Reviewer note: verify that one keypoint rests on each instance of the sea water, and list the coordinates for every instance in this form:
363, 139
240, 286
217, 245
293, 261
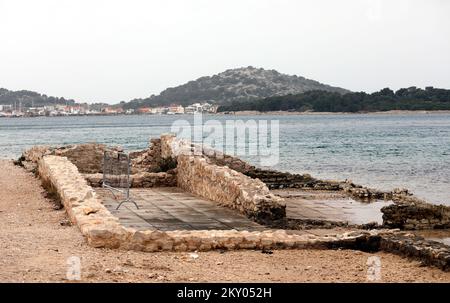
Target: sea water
378, 150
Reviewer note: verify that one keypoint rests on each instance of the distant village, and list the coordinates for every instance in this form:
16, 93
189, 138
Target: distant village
87, 110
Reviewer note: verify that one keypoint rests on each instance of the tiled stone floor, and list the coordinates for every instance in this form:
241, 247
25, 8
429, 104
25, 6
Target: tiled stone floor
330, 206
172, 209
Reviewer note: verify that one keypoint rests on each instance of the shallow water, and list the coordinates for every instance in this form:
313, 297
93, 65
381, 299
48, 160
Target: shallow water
382, 151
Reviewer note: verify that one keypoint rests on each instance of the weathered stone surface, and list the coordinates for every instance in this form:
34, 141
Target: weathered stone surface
207, 176
411, 213
229, 188
197, 175
409, 245
146, 180
102, 229
88, 158
149, 160
139, 180
173, 147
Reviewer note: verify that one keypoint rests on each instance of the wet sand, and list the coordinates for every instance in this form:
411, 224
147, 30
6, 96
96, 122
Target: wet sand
35, 244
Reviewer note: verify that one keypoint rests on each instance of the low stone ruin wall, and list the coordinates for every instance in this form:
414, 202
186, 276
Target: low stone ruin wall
148, 160
156, 166
404, 244
103, 230
229, 188
61, 177
88, 158
411, 213
173, 147
196, 174
139, 180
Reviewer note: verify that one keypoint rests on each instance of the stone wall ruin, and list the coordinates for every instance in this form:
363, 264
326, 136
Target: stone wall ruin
88, 158
103, 230
60, 170
234, 183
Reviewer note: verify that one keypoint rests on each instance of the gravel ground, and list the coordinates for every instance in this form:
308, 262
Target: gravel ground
35, 246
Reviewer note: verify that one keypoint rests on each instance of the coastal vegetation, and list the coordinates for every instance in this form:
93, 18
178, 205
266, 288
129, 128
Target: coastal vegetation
411, 98
25, 98
240, 85
273, 92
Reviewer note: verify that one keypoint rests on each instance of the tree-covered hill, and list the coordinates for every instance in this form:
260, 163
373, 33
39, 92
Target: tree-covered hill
26, 98
412, 98
241, 84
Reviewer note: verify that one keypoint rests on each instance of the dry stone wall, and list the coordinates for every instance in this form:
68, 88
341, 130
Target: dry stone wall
229, 188
241, 184
196, 174
139, 180
103, 230
411, 213
84, 209
172, 147
88, 158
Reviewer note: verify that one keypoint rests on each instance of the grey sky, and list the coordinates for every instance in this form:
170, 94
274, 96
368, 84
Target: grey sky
106, 50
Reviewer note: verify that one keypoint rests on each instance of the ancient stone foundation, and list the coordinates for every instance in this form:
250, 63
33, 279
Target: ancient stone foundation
402, 244
88, 158
234, 183
102, 229
71, 172
197, 174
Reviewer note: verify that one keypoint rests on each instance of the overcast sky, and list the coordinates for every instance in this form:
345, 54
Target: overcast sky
108, 51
